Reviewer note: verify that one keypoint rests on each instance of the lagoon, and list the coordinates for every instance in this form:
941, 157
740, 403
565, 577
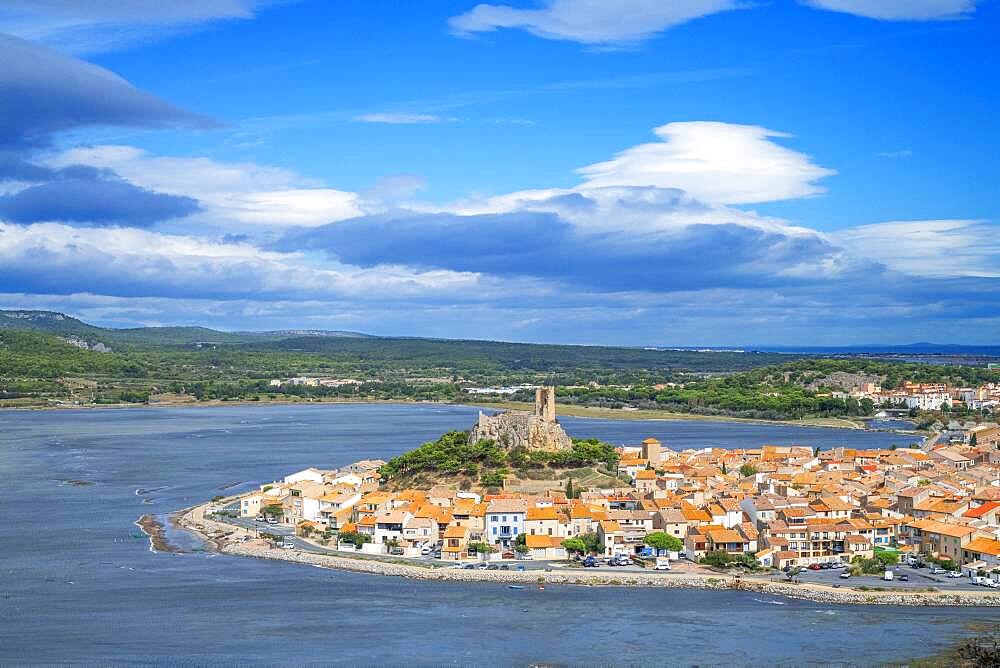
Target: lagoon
78, 583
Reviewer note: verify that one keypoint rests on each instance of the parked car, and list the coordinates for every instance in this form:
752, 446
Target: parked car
845, 575
468, 567
424, 551
590, 562
272, 520
814, 567
493, 567
261, 518
954, 574
662, 564
937, 570
288, 545
396, 551
526, 556
992, 584
904, 578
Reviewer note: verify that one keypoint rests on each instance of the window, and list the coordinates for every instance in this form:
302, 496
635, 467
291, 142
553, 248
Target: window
494, 531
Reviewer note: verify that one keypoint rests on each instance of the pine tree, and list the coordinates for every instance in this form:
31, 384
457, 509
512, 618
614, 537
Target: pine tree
569, 488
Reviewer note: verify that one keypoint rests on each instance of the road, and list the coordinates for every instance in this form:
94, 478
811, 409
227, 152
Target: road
920, 578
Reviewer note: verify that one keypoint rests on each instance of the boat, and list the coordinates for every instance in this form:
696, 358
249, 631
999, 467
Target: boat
515, 586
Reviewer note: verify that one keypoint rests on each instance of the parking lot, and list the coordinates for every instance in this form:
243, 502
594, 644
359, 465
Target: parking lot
919, 578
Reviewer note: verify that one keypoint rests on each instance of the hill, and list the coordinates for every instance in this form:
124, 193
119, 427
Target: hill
66, 326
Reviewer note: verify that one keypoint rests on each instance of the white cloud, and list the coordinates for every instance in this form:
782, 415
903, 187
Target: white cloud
229, 192
899, 10
933, 248
400, 118
714, 162
599, 22
903, 153
88, 27
50, 258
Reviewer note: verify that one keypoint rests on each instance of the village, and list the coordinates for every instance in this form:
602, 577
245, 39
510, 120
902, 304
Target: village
782, 509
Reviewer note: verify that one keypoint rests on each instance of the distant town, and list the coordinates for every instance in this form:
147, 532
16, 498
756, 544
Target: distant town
785, 508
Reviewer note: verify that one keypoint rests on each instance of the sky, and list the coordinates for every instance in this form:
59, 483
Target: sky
628, 172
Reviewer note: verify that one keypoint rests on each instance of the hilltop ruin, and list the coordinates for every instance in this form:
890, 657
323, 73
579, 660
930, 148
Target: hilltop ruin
538, 430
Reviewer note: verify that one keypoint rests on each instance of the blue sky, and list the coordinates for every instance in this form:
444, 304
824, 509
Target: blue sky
702, 172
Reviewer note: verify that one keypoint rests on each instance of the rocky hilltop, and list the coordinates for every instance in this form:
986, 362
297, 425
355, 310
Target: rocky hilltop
538, 430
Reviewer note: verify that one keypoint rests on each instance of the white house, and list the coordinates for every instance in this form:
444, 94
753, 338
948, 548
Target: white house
505, 520
306, 475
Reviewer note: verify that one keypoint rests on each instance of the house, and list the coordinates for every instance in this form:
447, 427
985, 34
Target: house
985, 550
543, 522
634, 525
419, 530
545, 547
671, 522
612, 537
505, 520
250, 504
336, 508
389, 525
941, 539
306, 475
722, 539
456, 540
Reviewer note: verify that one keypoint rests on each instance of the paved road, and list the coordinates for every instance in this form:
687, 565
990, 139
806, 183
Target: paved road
920, 578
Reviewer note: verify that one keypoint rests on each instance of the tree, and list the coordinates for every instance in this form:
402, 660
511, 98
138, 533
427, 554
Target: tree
481, 548
272, 510
574, 545
592, 541
974, 441
569, 489
521, 542
887, 558
355, 539
748, 470
663, 541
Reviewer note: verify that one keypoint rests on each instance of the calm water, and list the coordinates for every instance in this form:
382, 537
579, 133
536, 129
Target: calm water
77, 585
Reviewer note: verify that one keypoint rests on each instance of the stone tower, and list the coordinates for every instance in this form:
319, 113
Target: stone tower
545, 403
537, 430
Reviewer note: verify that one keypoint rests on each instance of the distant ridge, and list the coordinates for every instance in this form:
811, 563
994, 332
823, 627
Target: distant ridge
66, 326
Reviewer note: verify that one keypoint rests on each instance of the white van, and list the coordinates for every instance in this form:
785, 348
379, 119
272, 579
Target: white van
662, 564
887, 576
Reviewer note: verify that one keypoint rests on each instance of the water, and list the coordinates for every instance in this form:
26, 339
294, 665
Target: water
77, 585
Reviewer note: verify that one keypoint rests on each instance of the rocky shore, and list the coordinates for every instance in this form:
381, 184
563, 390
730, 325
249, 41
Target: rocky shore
229, 539
157, 536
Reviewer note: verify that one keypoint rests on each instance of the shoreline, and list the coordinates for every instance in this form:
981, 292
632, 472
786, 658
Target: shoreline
219, 536
585, 412
157, 535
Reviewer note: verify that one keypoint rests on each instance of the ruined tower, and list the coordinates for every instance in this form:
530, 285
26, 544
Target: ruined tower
537, 430
545, 403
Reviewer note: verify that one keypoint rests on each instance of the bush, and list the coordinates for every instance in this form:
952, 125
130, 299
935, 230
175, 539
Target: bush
717, 558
